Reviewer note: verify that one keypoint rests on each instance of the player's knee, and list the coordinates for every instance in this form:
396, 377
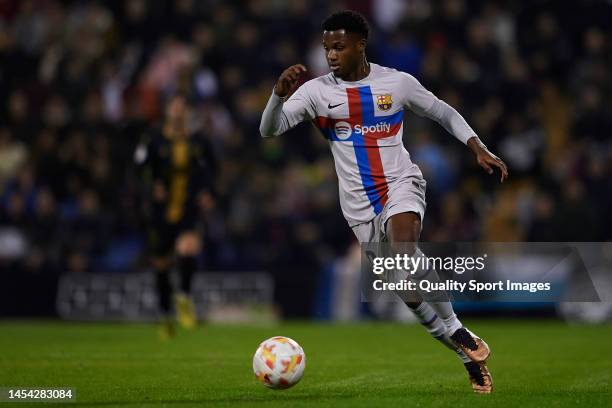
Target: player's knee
404, 243
161, 263
404, 230
188, 244
404, 246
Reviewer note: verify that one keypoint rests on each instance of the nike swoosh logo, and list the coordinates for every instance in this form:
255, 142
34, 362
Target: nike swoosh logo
330, 106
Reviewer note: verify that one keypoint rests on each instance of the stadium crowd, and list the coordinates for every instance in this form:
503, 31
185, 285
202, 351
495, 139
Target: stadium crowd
80, 81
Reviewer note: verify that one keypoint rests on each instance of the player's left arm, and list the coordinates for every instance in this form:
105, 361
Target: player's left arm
425, 103
485, 158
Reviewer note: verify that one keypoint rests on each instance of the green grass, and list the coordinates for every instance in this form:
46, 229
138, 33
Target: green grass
534, 363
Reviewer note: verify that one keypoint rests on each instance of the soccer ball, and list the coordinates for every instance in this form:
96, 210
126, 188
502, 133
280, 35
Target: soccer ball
279, 362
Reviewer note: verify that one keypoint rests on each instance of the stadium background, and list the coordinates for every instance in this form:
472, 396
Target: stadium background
81, 80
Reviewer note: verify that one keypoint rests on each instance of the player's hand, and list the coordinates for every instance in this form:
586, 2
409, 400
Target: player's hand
206, 201
159, 191
288, 80
486, 159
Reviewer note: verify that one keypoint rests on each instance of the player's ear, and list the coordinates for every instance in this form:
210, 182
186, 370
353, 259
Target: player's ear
362, 44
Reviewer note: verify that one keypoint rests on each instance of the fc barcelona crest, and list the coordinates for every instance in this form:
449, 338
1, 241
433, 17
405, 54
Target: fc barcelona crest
384, 102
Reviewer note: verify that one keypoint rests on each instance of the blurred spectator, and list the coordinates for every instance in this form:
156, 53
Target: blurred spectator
80, 80
13, 155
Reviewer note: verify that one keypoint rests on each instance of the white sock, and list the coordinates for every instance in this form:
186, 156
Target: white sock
436, 328
445, 311
443, 308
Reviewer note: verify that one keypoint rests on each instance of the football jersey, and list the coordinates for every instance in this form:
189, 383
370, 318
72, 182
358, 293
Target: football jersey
363, 122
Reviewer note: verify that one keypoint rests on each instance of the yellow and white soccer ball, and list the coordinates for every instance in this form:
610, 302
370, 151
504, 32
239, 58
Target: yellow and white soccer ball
279, 362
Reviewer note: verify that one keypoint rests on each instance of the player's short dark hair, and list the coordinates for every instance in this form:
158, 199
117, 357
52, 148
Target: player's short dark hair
348, 20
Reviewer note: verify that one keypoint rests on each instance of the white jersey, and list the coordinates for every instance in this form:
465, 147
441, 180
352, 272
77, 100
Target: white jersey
363, 122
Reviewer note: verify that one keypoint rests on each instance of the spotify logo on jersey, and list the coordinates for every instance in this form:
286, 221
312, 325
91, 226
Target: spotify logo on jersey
343, 130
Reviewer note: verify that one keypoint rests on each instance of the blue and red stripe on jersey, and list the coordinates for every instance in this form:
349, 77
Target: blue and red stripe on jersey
367, 151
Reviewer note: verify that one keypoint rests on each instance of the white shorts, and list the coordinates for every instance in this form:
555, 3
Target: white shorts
407, 195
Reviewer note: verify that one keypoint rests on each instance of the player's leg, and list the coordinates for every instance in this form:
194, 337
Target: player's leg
403, 231
161, 245
188, 246
373, 231
434, 326
479, 375
161, 265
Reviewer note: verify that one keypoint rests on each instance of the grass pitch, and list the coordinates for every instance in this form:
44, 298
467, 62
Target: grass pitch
534, 363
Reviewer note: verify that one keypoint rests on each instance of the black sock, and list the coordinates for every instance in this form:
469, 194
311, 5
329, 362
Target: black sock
187, 266
164, 290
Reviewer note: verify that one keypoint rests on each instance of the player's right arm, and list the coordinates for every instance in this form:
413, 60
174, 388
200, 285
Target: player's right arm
147, 161
425, 103
282, 113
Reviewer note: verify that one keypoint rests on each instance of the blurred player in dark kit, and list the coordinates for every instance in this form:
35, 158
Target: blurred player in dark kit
179, 168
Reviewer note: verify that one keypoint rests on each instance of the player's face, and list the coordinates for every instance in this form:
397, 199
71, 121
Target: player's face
177, 109
177, 114
344, 51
